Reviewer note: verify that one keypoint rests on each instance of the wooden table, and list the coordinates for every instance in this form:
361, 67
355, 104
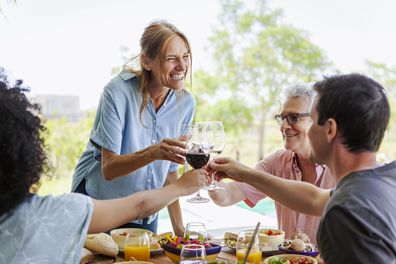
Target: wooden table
225, 254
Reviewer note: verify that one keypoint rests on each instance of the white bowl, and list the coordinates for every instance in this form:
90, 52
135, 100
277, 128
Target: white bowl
271, 242
120, 239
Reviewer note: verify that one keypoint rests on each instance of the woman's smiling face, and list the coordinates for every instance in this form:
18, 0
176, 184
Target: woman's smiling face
171, 70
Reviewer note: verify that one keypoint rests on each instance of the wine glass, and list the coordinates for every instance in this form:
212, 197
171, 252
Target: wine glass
196, 231
243, 241
197, 154
185, 133
216, 139
193, 254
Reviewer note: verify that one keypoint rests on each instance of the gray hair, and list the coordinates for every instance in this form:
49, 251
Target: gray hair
299, 90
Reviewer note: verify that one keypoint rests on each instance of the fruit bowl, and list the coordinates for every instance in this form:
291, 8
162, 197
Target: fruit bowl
174, 252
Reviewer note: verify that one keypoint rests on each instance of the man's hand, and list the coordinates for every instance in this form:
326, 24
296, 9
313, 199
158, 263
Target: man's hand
169, 149
224, 167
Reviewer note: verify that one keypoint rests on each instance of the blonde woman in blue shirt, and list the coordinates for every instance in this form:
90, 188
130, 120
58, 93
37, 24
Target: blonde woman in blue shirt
133, 144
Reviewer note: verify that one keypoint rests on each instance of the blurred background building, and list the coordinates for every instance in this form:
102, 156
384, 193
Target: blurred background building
59, 106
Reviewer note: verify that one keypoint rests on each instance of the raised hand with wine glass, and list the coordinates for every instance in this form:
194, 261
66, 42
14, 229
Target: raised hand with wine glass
198, 153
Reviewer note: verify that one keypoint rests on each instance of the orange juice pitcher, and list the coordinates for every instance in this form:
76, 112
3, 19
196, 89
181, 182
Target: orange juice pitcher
137, 247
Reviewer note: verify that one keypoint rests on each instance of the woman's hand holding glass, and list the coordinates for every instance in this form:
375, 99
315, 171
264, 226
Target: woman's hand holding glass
191, 181
169, 149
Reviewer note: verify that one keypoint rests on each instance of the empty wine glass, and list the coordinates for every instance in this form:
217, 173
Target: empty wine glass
196, 231
193, 254
197, 154
216, 140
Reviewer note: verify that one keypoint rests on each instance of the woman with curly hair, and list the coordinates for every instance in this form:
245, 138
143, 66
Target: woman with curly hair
49, 229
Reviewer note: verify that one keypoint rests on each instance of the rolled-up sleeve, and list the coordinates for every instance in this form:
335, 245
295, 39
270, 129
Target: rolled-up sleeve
108, 134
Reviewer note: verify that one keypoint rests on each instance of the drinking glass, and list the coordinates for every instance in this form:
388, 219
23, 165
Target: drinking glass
242, 245
216, 140
196, 231
185, 133
137, 247
193, 254
197, 154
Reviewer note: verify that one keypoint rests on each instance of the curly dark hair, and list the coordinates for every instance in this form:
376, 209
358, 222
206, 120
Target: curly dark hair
22, 155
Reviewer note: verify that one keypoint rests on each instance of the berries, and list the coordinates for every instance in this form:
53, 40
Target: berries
178, 242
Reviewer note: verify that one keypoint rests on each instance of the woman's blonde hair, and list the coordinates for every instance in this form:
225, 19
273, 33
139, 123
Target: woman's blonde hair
153, 43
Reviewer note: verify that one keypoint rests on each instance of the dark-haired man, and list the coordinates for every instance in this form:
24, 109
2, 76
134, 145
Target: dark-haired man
350, 114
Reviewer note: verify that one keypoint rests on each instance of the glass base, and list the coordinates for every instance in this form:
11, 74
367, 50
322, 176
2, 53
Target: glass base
212, 187
198, 199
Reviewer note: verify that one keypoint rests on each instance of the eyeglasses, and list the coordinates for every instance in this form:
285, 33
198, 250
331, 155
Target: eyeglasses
292, 118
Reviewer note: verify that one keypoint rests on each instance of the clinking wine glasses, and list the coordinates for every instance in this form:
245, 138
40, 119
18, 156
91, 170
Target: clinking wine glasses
198, 153
216, 139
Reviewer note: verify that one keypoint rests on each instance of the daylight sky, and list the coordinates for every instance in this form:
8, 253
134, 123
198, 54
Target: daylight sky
69, 47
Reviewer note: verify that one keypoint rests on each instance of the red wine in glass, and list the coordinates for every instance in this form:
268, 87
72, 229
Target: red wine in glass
197, 160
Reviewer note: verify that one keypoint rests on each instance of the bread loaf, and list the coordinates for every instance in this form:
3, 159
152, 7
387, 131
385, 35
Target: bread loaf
101, 243
230, 239
86, 256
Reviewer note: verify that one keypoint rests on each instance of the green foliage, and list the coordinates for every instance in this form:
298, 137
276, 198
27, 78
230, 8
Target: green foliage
383, 74
386, 76
65, 142
256, 55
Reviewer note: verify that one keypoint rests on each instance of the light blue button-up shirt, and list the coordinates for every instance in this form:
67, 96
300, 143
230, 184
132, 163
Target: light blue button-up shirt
117, 127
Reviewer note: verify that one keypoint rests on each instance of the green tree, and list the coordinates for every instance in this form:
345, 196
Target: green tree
386, 76
255, 56
65, 142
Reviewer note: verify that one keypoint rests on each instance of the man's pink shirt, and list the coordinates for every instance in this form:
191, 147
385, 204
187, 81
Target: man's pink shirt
283, 163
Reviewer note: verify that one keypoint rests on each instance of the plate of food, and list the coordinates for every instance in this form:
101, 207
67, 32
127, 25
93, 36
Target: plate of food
298, 246
270, 239
290, 259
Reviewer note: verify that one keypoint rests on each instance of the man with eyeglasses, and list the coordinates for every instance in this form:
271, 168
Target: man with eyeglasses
291, 163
